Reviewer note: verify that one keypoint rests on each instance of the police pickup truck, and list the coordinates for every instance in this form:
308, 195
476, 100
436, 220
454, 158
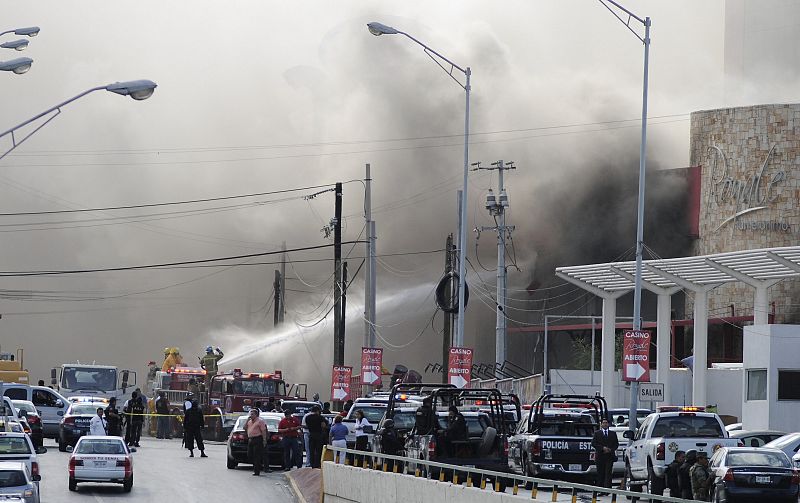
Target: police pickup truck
654, 444
554, 440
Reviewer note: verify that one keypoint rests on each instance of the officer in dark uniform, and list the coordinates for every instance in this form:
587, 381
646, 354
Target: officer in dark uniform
456, 430
424, 418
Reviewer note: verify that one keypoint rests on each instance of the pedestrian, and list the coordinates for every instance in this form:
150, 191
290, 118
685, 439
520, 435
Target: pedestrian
346, 409
271, 405
193, 388
338, 437
326, 408
684, 479
113, 419
256, 430
391, 444
316, 425
164, 419
97, 425
701, 478
41, 382
605, 444
289, 428
193, 424
306, 439
672, 474
362, 428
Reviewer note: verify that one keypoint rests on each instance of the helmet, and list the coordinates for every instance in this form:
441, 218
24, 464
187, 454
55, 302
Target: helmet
209, 349
175, 351
166, 351
389, 423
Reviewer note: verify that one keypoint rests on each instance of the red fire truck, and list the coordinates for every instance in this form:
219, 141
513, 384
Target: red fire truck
229, 395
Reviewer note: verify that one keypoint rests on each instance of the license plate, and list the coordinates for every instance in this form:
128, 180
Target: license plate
103, 463
763, 479
575, 468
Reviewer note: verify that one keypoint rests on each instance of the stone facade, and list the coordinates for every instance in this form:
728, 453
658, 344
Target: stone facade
750, 194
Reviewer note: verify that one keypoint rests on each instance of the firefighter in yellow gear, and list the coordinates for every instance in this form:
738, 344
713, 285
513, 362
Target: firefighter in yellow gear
209, 363
172, 359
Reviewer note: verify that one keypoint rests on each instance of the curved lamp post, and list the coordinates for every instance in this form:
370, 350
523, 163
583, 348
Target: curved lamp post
378, 29
16, 65
136, 89
30, 31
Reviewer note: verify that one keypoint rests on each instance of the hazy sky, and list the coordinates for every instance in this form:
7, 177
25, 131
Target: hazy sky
265, 96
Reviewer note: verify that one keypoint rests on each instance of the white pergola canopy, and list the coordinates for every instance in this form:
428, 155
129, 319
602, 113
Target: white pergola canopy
759, 269
749, 266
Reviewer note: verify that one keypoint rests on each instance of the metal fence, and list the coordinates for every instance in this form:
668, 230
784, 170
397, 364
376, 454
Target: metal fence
487, 479
527, 389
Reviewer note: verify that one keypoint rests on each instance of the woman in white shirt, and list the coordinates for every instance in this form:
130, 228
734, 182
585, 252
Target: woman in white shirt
362, 428
97, 425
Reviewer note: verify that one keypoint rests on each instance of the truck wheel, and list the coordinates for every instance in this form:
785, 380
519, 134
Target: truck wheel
655, 484
629, 484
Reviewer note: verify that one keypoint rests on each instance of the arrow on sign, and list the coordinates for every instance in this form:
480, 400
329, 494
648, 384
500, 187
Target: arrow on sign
634, 371
339, 394
459, 381
369, 377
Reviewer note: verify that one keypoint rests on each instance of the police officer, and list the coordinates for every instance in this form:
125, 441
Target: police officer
424, 417
193, 424
684, 480
672, 474
113, 419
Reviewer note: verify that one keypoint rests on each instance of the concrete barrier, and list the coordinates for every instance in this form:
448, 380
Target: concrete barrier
346, 484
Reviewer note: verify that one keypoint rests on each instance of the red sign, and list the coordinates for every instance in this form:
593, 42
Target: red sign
371, 362
459, 366
636, 356
340, 383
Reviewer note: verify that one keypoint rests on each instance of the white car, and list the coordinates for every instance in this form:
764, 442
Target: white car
18, 447
17, 483
101, 459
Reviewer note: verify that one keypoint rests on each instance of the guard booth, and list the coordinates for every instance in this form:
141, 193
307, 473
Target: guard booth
771, 397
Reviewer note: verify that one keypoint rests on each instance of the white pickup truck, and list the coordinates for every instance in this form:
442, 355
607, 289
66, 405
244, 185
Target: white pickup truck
660, 436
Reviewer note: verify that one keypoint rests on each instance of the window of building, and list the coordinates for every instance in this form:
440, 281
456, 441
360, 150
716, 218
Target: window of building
789, 385
756, 384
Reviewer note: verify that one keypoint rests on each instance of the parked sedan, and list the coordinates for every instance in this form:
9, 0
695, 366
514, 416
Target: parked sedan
28, 411
757, 438
101, 459
789, 443
237, 442
75, 424
753, 474
16, 479
18, 447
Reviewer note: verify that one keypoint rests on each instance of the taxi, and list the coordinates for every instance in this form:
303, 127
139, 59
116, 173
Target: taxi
18, 447
101, 459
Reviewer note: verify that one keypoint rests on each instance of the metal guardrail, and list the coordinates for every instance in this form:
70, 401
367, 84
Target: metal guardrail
377, 461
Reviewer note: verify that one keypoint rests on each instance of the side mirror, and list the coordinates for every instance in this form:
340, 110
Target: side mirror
36, 478
23, 413
628, 434
125, 375
70, 448
133, 449
60, 403
53, 379
41, 450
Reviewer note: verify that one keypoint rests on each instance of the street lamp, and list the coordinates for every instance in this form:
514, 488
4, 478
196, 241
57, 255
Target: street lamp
16, 65
31, 31
378, 29
19, 44
136, 89
637, 289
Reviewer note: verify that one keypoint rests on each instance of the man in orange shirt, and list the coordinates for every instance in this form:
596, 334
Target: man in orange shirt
256, 440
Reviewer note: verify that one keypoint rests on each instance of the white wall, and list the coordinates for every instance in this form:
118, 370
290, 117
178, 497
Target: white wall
724, 388
771, 347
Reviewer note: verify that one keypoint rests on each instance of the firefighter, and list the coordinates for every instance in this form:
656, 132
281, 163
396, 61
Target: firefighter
209, 363
172, 359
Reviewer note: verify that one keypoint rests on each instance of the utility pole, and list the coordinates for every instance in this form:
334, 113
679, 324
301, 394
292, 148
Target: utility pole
282, 312
497, 207
447, 331
342, 317
370, 270
278, 299
338, 335
458, 339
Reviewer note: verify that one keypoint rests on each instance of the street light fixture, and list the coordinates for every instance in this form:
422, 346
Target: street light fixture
17, 65
637, 289
31, 31
136, 89
378, 29
18, 45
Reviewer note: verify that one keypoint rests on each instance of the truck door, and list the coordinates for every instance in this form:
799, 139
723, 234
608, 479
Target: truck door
51, 406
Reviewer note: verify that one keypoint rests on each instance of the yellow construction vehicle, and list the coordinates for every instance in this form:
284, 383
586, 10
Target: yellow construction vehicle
11, 368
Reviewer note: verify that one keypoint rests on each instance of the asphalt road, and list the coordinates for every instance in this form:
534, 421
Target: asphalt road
162, 471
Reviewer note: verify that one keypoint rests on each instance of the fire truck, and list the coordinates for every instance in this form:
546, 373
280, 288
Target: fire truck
229, 395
